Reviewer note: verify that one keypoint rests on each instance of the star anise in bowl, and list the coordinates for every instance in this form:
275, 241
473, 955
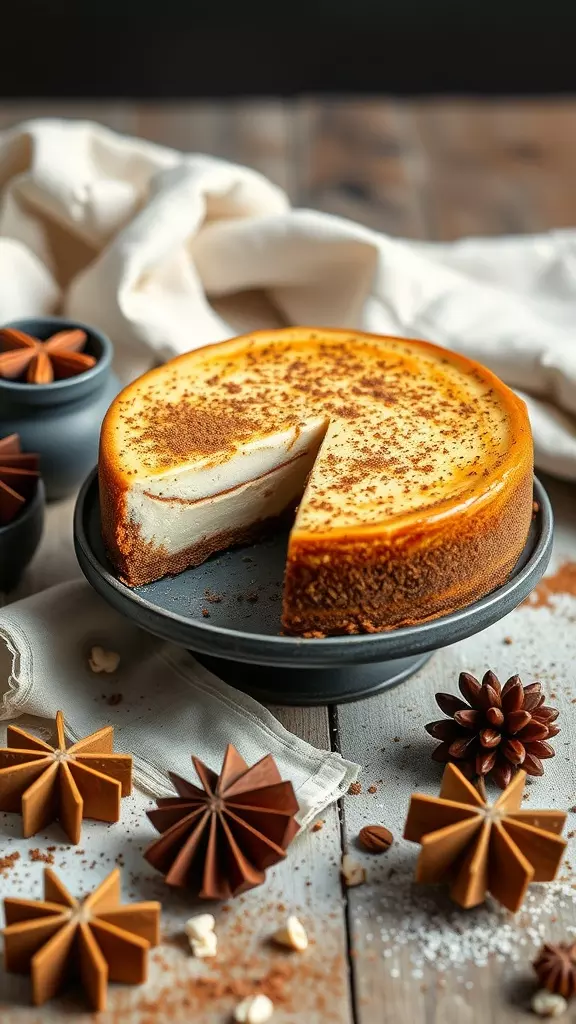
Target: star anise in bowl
495, 730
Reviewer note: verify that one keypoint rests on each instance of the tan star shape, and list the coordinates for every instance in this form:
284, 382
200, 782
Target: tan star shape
59, 938
63, 783
480, 848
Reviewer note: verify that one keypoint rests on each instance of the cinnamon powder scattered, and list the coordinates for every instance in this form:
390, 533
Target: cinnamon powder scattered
563, 581
36, 854
8, 862
282, 981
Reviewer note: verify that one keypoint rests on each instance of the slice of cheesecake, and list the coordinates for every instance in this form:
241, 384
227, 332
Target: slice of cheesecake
411, 467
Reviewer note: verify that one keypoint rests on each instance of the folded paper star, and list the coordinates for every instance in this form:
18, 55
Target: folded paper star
32, 361
18, 477
219, 840
58, 939
480, 848
63, 783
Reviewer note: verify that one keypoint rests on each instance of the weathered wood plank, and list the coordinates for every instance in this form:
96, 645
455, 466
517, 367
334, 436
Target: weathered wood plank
416, 956
361, 159
496, 166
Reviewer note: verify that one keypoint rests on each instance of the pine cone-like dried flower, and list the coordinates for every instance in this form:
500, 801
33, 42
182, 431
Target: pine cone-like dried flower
555, 968
498, 731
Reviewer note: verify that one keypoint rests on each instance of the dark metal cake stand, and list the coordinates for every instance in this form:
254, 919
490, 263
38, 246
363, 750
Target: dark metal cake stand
239, 592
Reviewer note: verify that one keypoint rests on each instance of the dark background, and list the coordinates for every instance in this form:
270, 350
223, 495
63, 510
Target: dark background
174, 49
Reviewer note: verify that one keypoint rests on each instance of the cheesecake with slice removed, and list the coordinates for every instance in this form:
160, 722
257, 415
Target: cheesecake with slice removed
410, 467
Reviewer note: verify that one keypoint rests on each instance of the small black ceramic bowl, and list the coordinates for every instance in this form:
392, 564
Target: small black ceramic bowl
61, 420
20, 538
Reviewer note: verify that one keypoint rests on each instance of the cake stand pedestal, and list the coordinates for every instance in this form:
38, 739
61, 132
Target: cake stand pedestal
315, 685
227, 612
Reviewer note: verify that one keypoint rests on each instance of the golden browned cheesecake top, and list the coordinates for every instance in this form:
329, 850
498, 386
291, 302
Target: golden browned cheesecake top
404, 427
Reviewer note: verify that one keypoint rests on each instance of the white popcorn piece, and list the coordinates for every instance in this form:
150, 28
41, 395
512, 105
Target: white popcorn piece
292, 935
352, 871
549, 1004
201, 935
254, 1010
101, 660
206, 947
199, 926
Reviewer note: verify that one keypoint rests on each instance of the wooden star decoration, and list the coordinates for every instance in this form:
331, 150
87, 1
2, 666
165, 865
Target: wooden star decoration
480, 848
32, 361
59, 938
219, 840
45, 783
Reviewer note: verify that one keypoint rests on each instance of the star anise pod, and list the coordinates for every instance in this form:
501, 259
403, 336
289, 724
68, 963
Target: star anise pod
32, 361
499, 730
555, 968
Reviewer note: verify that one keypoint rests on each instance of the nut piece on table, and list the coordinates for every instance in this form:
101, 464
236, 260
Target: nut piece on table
101, 660
254, 1010
549, 1004
375, 838
201, 935
292, 935
352, 872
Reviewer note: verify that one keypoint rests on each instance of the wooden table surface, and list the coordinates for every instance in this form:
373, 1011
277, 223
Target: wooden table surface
428, 169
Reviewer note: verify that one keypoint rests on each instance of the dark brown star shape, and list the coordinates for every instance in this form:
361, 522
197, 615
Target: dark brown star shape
219, 840
555, 968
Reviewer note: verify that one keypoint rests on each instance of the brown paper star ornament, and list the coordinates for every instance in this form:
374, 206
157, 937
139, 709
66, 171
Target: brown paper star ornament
58, 939
45, 783
480, 848
219, 840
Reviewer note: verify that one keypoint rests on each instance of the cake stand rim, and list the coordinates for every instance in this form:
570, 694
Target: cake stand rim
295, 652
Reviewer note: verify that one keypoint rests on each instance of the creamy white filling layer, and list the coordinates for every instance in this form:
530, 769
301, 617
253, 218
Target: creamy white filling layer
250, 462
176, 524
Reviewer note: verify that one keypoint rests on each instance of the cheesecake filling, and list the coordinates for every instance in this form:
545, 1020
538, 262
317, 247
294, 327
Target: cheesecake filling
171, 516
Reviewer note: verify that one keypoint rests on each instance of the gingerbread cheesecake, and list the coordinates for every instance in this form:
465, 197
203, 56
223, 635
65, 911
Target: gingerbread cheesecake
410, 467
